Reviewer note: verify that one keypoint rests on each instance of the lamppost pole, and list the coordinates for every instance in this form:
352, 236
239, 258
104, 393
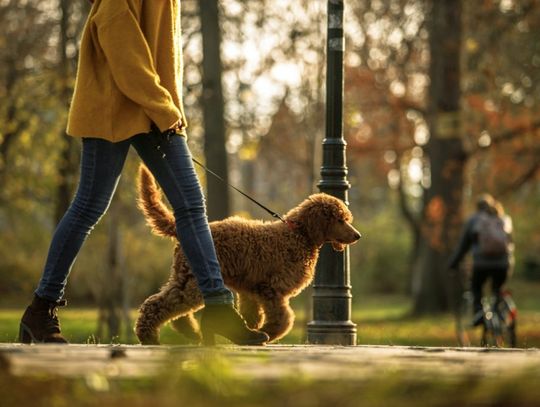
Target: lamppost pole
331, 288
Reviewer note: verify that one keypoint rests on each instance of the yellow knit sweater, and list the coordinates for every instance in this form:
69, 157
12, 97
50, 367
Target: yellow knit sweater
130, 71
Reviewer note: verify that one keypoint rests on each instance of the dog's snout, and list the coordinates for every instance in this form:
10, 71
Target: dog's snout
357, 235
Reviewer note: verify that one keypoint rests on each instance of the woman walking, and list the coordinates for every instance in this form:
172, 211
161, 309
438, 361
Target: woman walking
128, 93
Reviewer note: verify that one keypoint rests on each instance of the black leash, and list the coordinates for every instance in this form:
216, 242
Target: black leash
271, 212
169, 133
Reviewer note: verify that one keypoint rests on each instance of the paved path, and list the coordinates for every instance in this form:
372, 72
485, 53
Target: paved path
266, 363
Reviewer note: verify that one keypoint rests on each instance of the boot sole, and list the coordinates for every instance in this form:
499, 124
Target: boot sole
27, 337
209, 340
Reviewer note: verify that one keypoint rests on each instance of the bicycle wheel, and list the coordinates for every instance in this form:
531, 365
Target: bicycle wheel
512, 335
500, 323
492, 334
507, 311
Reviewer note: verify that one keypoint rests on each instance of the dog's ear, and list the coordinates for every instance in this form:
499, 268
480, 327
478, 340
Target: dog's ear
317, 222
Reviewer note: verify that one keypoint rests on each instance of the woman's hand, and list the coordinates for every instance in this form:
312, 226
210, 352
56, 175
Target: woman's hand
177, 127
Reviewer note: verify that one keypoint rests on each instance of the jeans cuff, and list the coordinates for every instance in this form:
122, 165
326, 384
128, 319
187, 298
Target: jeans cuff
43, 296
219, 297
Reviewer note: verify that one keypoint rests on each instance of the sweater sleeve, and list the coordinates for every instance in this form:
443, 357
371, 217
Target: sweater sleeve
133, 71
465, 243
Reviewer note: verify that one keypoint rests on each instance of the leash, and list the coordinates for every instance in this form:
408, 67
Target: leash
271, 212
169, 133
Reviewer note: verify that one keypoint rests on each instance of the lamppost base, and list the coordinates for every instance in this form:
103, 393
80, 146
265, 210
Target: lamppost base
332, 333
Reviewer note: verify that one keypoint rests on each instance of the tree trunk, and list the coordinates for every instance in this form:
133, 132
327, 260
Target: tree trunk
114, 281
411, 220
67, 171
67, 167
10, 135
442, 208
112, 293
213, 110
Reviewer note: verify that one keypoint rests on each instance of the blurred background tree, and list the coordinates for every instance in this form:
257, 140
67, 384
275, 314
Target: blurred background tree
441, 103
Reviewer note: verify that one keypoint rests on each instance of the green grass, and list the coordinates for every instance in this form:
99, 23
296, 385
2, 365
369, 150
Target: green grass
381, 320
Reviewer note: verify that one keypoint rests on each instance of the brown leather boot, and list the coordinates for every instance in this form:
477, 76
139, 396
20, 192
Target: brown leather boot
39, 323
224, 320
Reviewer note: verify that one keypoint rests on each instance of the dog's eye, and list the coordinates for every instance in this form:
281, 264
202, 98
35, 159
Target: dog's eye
341, 221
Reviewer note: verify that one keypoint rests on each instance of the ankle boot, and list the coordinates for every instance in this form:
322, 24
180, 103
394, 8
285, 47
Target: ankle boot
39, 323
224, 320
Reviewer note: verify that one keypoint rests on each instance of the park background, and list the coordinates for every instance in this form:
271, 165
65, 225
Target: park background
441, 103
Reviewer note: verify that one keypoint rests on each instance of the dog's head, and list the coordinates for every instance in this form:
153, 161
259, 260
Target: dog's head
325, 219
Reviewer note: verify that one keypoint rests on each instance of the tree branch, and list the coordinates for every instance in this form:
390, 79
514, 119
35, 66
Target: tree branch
507, 135
523, 179
512, 133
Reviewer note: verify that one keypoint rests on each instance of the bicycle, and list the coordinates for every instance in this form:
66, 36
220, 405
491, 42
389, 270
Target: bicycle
499, 321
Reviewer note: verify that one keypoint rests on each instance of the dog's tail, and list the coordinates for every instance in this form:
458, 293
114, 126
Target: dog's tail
150, 202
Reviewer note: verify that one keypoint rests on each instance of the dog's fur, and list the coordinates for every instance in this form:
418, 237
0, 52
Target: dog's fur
265, 263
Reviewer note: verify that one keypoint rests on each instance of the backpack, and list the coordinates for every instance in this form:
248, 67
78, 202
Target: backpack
492, 237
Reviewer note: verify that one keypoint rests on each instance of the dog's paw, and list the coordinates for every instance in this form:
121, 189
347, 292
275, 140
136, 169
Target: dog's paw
149, 341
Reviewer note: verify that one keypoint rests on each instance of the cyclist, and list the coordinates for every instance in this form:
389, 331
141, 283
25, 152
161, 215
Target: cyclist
487, 233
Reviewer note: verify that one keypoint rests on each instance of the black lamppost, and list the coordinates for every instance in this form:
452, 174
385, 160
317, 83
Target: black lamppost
331, 289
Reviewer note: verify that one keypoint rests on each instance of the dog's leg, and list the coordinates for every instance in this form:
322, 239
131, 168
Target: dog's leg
153, 313
188, 326
175, 299
251, 310
279, 317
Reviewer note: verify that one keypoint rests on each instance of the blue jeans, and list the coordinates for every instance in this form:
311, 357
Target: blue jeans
101, 165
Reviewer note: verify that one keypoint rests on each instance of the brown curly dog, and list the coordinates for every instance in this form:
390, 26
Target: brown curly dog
265, 263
